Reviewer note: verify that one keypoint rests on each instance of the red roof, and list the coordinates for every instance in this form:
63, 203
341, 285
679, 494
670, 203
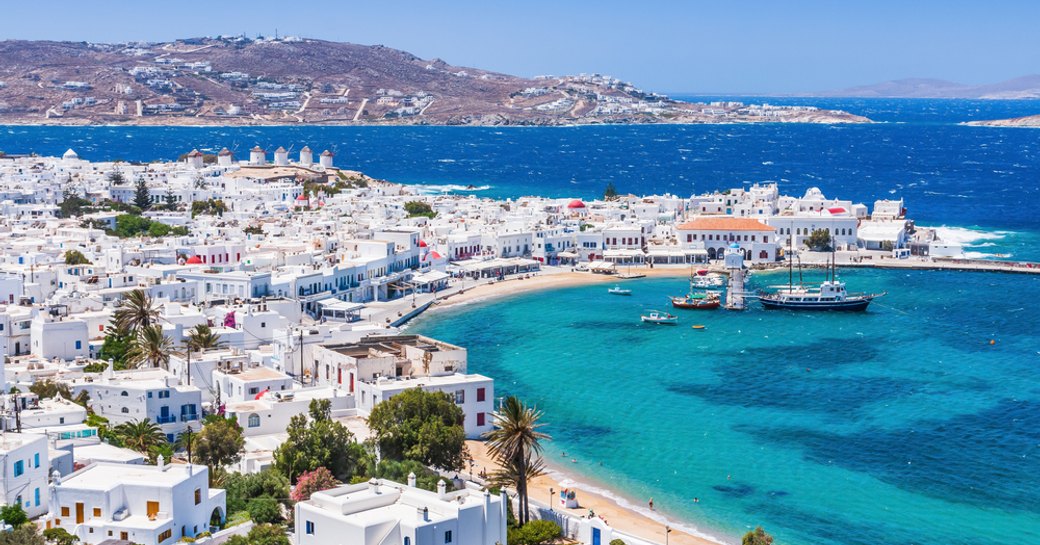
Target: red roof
302, 197
422, 243
576, 203
837, 210
435, 255
194, 260
724, 224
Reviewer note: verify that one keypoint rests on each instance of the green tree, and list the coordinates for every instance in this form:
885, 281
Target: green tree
758, 536
616, 541
116, 178
319, 442
420, 425
264, 510
158, 229
142, 197
398, 471
610, 193
129, 225
105, 432
135, 311
819, 240
71, 204
218, 444
13, 514
515, 446
25, 534
261, 534
310, 482
59, 536
202, 338
117, 344
76, 257
241, 488
150, 348
144, 436
419, 208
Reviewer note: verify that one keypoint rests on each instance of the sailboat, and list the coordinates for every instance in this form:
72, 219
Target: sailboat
829, 295
697, 300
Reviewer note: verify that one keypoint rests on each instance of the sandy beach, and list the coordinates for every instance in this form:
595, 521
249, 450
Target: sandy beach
619, 517
545, 281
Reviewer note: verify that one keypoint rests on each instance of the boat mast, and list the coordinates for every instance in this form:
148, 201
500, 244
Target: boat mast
790, 260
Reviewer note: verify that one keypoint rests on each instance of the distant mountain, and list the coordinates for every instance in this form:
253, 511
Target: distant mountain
1023, 87
241, 81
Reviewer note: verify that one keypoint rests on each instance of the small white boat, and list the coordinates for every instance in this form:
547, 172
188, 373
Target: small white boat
618, 290
708, 281
659, 318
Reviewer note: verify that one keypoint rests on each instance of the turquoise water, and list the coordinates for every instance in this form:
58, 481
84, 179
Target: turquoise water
901, 425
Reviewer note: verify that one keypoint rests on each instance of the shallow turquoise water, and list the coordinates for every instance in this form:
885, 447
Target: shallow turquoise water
895, 426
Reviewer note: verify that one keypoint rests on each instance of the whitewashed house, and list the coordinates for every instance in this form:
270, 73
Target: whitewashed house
382, 511
26, 466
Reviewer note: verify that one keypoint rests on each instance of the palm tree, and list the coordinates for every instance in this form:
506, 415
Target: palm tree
136, 311
140, 435
514, 444
150, 348
202, 338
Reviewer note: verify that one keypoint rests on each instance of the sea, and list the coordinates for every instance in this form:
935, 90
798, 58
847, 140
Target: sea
916, 422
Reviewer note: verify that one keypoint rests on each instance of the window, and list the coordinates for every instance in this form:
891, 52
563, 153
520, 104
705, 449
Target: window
19, 468
149, 395
124, 394
97, 512
165, 535
64, 511
460, 397
198, 496
480, 419
254, 421
36, 460
36, 497
447, 536
309, 528
79, 345
480, 394
253, 390
407, 540
125, 410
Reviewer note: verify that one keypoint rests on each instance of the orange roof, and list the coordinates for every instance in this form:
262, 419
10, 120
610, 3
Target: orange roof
725, 224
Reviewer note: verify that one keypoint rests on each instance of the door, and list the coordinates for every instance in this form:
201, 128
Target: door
152, 509
79, 513
124, 536
595, 536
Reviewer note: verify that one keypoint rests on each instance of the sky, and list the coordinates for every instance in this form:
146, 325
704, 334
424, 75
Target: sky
672, 46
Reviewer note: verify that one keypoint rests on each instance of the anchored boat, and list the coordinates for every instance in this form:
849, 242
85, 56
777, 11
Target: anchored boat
659, 318
618, 290
830, 295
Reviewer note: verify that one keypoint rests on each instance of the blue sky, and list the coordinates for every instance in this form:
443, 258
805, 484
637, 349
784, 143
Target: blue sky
670, 46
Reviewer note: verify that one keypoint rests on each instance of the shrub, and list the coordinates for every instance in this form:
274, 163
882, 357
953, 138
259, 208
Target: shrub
59, 536
14, 515
617, 542
264, 510
758, 536
419, 208
535, 532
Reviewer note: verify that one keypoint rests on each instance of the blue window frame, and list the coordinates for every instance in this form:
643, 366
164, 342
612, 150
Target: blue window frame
36, 497
19, 468
79, 345
309, 528
36, 460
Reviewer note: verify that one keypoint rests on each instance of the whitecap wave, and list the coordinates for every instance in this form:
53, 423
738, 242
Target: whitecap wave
567, 480
984, 255
965, 236
433, 189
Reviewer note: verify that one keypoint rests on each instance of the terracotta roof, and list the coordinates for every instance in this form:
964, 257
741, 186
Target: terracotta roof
576, 204
724, 224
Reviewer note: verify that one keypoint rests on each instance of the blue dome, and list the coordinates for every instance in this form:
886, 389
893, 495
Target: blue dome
735, 246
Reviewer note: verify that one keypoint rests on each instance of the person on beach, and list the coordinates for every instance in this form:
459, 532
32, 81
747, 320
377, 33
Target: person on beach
651, 504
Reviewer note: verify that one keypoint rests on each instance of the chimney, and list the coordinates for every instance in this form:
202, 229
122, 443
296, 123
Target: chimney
411, 480
442, 489
160, 462
423, 513
373, 485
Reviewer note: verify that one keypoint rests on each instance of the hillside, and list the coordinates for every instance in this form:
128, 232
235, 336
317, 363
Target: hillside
1017, 88
238, 81
1027, 121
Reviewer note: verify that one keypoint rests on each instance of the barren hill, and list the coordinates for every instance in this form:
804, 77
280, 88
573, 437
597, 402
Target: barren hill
291, 80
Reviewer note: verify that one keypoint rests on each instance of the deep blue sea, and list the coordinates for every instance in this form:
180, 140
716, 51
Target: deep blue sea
902, 425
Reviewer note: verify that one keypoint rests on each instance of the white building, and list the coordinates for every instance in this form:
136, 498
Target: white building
125, 396
382, 511
146, 504
26, 466
755, 238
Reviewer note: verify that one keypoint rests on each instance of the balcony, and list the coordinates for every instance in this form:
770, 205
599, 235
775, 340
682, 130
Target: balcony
189, 417
169, 419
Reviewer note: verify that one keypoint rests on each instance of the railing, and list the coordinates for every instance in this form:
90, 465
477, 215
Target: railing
189, 417
165, 419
